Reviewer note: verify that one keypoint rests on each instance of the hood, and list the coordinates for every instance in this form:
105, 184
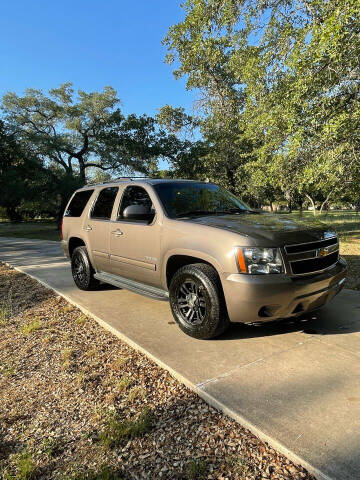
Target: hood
278, 230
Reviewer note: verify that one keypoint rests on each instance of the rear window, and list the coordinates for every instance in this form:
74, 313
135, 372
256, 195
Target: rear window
78, 203
104, 203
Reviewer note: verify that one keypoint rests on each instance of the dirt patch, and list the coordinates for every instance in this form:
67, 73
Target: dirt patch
77, 403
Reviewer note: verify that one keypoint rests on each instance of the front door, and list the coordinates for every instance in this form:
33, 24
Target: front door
97, 227
135, 245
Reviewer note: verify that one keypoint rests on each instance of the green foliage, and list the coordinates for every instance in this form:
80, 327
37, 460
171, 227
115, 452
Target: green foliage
23, 467
23, 178
279, 87
117, 429
104, 473
64, 138
6, 308
196, 469
31, 327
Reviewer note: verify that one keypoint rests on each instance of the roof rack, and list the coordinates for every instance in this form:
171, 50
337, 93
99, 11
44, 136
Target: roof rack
116, 180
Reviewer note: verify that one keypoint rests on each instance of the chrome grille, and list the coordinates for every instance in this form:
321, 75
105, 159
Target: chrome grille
312, 257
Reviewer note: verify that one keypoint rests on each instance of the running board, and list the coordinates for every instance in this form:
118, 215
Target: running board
137, 287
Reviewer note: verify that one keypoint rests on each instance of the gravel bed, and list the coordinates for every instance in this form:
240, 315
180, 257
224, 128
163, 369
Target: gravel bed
78, 403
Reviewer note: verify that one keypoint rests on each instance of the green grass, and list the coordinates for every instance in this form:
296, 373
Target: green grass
31, 327
117, 429
24, 467
6, 308
196, 469
240, 466
345, 222
105, 473
40, 229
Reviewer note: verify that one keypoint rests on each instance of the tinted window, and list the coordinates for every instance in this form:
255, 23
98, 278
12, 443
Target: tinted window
187, 198
78, 203
134, 195
104, 203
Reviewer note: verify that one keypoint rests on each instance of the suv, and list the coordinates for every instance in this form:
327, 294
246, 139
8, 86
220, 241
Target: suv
200, 247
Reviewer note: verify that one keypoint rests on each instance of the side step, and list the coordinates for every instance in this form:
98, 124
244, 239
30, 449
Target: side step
137, 287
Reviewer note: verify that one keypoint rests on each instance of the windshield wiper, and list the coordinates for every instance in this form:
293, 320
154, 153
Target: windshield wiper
237, 210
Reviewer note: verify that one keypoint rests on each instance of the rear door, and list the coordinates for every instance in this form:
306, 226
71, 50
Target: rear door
135, 245
97, 227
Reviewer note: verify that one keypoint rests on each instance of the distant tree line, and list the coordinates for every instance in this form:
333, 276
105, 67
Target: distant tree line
277, 119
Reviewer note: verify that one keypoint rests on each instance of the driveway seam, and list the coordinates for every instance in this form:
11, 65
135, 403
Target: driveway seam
240, 367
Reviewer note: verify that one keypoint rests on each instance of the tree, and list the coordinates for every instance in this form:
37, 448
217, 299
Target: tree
288, 75
178, 146
73, 135
83, 131
19, 171
28, 188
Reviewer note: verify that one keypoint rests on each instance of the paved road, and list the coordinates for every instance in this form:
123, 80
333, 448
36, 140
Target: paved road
295, 385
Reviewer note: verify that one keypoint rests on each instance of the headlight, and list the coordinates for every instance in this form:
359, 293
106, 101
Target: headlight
257, 261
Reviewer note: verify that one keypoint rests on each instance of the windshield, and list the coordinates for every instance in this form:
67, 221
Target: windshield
182, 199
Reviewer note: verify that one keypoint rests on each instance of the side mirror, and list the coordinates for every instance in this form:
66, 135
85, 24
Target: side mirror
138, 212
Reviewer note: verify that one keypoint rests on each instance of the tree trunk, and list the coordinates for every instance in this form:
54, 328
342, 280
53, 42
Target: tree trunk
301, 206
231, 179
82, 171
312, 203
271, 206
325, 202
60, 213
13, 214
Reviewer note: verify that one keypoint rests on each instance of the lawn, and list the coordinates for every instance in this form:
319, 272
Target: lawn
345, 222
41, 229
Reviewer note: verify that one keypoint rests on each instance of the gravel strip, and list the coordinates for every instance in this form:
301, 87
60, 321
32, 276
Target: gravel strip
77, 403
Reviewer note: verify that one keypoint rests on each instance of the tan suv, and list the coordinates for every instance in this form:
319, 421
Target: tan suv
206, 251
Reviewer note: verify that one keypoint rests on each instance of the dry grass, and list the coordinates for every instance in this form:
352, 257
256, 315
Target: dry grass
350, 251
77, 403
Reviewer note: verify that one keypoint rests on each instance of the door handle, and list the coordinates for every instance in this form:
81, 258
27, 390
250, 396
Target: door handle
117, 232
88, 228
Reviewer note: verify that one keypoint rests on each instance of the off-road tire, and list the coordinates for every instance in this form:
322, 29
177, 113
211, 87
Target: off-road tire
82, 270
215, 318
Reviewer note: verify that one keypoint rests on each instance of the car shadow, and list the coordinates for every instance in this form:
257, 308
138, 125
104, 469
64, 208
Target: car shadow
316, 323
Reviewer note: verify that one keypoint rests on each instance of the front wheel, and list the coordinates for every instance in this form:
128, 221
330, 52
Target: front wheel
82, 270
197, 301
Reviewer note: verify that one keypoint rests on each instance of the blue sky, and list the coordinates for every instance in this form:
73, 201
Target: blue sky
93, 44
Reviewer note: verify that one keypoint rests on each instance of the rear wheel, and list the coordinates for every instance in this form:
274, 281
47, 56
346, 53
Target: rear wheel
197, 301
82, 270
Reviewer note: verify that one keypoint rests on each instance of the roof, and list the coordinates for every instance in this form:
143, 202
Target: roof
151, 181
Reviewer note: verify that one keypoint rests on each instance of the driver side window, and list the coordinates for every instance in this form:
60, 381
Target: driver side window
135, 195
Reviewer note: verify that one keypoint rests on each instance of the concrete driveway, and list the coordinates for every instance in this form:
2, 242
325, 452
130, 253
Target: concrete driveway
295, 385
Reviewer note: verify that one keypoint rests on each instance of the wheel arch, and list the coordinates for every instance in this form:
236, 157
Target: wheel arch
75, 242
177, 260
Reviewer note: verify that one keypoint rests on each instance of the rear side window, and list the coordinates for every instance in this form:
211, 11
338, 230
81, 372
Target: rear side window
78, 203
104, 203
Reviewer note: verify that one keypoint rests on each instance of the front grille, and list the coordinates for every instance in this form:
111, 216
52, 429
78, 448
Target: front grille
305, 247
312, 265
312, 257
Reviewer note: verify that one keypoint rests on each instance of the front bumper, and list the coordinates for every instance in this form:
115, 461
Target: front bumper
262, 298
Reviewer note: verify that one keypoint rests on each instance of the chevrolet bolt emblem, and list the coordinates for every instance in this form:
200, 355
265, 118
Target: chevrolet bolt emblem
322, 252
